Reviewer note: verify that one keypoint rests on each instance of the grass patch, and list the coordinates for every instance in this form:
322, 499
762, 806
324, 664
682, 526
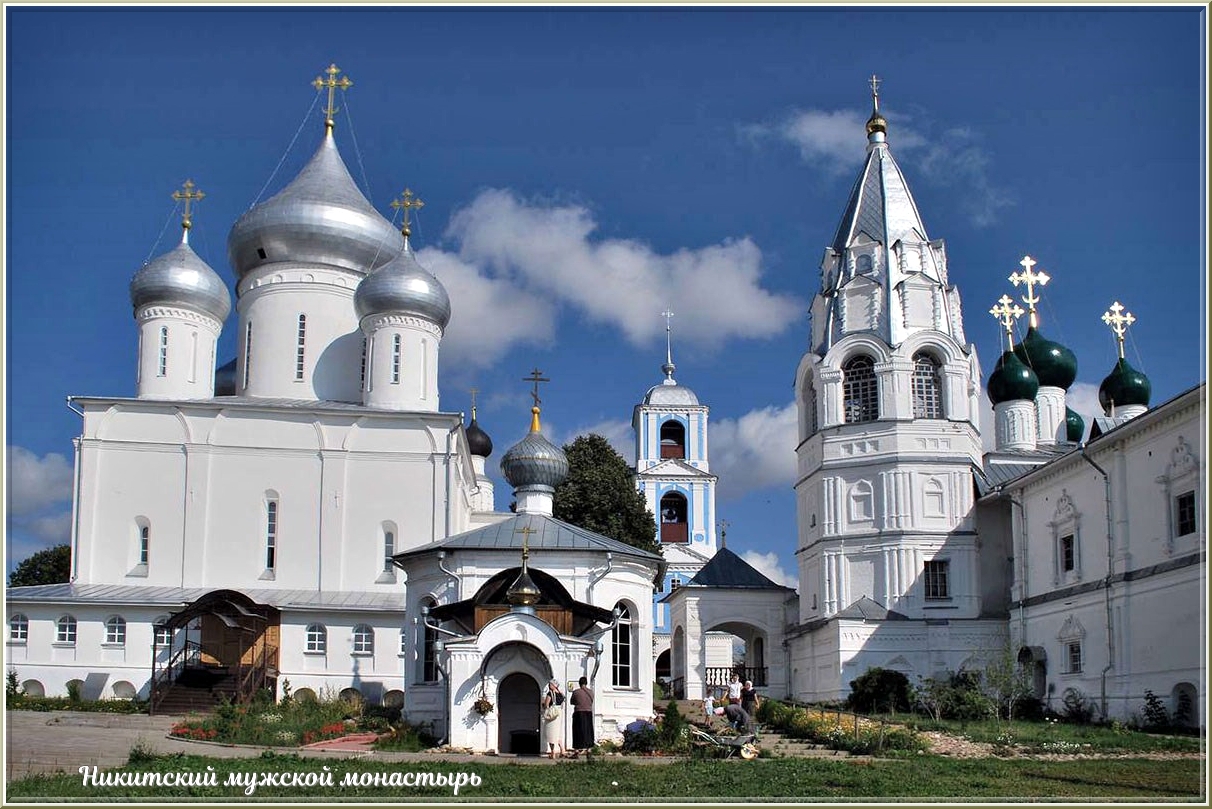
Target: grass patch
918, 777
24, 702
1060, 737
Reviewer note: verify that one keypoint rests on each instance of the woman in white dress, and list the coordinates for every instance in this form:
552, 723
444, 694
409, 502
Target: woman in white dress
551, 720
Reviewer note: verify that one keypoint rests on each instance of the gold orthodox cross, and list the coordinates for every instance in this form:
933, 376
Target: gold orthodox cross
1031, 279
405, 203
188, 195
536, 376
525, 532
1119, 323
332, 83
1006, 312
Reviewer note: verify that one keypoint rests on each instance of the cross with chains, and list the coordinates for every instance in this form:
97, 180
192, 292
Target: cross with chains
1119, 323
188, 195
1031, 279
332, 83
1006, 312
406, 202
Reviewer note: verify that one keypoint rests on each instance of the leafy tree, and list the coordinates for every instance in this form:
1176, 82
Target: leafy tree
599, 495
50, 566
879, 689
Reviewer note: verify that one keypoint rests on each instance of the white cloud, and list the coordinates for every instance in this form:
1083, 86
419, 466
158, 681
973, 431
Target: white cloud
543, 252
36, 483
54, 529
618, 434
768, 565
754, 451
1083, 398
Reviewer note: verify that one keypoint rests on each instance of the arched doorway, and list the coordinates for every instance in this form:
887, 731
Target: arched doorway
518, 715
1033, 662
662, 666
677, 664
1184, 705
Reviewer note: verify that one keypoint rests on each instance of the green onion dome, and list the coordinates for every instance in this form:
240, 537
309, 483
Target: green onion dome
1012, 379
1124, 386
1054, 364
1075, 426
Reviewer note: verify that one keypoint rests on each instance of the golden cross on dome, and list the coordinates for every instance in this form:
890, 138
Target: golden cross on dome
188, 194
332, 83
406, 203
1119, 323
1031, 279
525, 532
1006, 312
536, 376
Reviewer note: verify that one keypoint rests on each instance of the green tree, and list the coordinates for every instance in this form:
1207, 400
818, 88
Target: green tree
599, 495
50, 566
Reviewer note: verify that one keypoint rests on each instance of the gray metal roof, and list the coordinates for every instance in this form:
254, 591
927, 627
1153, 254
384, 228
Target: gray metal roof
176, 597
405, 287
880, 205
549, 534
671, 393
999, 468
868, 610
259, 402
181, 278
726, 569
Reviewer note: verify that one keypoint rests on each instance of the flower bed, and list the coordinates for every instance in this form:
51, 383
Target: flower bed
289, 723
837, 731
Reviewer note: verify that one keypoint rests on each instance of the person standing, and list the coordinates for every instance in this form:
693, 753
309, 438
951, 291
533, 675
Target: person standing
734, 690
749, 699
551, 720
582, 716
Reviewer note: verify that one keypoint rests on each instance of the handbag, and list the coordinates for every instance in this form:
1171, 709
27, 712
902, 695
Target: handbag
552, 713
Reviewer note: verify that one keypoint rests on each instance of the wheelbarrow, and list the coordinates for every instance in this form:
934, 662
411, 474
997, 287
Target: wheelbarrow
744, 745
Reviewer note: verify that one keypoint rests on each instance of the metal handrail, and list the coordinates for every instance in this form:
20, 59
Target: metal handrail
190, 652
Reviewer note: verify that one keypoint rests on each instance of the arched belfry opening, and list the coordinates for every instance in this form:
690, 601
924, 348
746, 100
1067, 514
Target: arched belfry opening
674, 526
673, 439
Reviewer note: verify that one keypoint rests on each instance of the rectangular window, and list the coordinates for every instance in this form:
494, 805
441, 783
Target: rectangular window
18, 628
1185, 504
389, 550
935, 575
395, 360
164, 635
193, 356
144, 544
1073, 656
300, 349
271, 534
163, 367
1066, 553
247, 351
362, 379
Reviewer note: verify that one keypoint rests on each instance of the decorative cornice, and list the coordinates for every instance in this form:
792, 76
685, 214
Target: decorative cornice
373, 323
153, 311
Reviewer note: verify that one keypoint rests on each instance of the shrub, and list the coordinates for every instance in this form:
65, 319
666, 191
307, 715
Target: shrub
673, 729
73, 691
1155, 714
12, 688
879, 690
408, 738
1077, 708
641, 736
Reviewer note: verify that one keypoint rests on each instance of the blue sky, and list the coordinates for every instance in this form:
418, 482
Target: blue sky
582, 170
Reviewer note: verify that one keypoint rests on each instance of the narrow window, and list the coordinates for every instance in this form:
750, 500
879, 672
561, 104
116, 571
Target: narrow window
362, 378
622, 647
936, 574
860, 395
363, 640
271, 534
1068, 560
18, 628
163, 367
193, 356
300, 349
927, 392
395, 360
317, 639
1185, 504
389, 550
115, 630
65, 630
144, 543
1073, 656
429, 648
247, 351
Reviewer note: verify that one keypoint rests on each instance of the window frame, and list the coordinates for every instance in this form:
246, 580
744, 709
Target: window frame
926, 390
362, 640
936, 580
248, 342
18, 628
115, 631
622, 649
315, 639
162, 361
1189, 522
1068, 553
272, 517
428, 653
1073, 652
301, 348
66, 630
144, 544
860, 390
397, 348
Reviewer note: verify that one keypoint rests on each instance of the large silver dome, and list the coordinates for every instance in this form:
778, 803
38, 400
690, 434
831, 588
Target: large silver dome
534, 461
321, 217
403, 286
181, 278
670, 393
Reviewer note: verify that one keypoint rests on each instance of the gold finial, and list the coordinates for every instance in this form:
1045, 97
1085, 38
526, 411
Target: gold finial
523, 592
1006, 312
1031, 279
474, 391
876, 122
188, 194
332, 83
406, 202
1119, 323
536, 376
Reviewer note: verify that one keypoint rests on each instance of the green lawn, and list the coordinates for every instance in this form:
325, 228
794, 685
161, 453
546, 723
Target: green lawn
799, 779
1039, 737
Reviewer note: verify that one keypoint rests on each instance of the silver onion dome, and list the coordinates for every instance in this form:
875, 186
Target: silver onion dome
405, 287
320, 217
534, 461
181, 278
670, 393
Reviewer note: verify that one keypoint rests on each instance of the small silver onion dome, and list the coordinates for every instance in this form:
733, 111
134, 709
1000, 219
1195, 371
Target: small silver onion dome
181, 278
320, 217
403, 286
670, 393
534, 461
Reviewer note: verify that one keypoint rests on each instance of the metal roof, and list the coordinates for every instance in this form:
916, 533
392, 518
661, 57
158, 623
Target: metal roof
549, 534
175, 597
726, 569
867, 609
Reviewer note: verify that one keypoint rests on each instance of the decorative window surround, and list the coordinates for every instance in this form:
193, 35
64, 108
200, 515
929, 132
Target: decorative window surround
1066, 523
1180, 480
1071, 636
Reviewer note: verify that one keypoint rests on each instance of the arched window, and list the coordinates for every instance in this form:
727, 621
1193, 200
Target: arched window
395, 359
144, 543
300, 348
65, 630
673, 439
622, 647
808, 408
389, 549
363, 640
115, 630
317, 639
247, 351
18, 628
927, 391
429, 647
271, 534
860, 395
163, 363
673, 518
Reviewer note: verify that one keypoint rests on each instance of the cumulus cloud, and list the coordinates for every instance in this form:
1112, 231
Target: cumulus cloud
768, 565
831, 142
1083, 398
618, 434
547, 256
754, 451
36, 483
52, 529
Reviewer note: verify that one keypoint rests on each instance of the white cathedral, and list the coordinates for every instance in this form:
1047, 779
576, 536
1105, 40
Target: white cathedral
308, 513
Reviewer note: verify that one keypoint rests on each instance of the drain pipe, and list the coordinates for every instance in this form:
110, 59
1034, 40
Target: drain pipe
439, 646
1106, 582
457, 578
1022, 596
597, 578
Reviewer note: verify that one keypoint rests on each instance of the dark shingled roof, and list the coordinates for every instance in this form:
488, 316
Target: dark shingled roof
868, 610
726, 569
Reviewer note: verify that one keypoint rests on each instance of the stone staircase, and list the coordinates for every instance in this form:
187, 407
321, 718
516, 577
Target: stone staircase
197, 692
770, 742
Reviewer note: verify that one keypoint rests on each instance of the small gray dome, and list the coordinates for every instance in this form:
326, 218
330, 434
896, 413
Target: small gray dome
403, 286
534, 461
670, 393
321, 218
181, 278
